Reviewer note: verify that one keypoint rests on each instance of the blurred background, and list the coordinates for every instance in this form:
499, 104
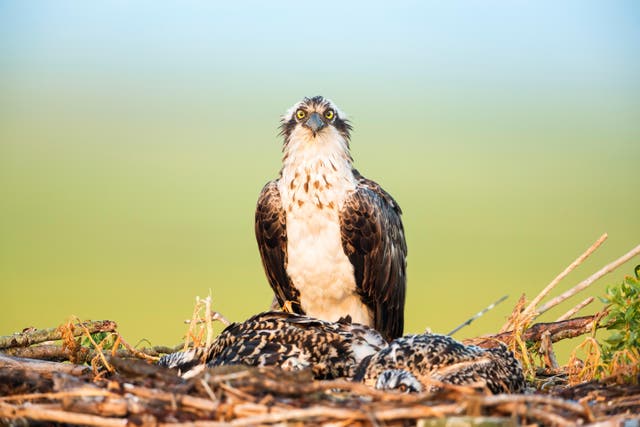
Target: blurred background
136, 137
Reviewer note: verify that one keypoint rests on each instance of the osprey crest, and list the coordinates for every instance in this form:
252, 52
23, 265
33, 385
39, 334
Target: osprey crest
331, 241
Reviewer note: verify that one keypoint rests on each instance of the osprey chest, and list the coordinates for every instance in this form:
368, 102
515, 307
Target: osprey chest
316, 263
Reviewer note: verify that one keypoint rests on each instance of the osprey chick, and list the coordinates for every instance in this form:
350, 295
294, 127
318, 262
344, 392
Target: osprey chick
412, 362
331, 241
285, 340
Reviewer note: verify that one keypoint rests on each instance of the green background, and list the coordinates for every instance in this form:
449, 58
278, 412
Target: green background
135, 138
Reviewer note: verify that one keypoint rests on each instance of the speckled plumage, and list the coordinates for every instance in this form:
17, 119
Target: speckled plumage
289, 341
331, 241
441, 358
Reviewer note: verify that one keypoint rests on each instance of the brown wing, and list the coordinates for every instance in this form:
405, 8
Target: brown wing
271, 234
373, 239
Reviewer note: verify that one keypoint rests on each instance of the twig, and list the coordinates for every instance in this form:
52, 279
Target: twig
546, 351
340, 413
56, 353
215, 315
182, 399
192, 324
46, 369
39, 413
532, 305
219, 317
558, 331
139, 354
545, 416
35, 336
50, 352
566, 272
83, 392
569, 314
207, 317
98, 349
208, 390
498, 399
589, 280
477, 315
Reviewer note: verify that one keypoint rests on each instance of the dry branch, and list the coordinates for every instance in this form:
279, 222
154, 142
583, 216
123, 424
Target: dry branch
557, 331
589, 280
41, 413
83, 354
46, 369
51, 352
569, 314
173, 398
533, 304
35, 336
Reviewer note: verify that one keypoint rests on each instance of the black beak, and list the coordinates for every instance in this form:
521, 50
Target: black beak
315, 123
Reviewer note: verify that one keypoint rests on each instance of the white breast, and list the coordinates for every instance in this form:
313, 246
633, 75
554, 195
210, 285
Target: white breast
312, 193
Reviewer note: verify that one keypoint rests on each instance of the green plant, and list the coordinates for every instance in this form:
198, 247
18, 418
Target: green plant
621, 349
624, 316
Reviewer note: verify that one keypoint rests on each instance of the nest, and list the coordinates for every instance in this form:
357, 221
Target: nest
96, 378
141, 393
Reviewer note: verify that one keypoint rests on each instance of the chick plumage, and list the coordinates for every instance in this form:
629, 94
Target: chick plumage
441, 358
288, 341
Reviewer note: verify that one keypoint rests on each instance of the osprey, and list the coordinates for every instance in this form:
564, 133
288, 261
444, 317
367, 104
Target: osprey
289, 341
343, 349
331, 241
420, 362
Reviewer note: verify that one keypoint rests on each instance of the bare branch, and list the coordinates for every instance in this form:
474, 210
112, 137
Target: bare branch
532, 305
569, 314
589, 280
46, 369
35, 336
477, 315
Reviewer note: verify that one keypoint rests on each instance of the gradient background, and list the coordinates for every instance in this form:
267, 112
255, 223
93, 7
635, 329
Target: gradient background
135, 138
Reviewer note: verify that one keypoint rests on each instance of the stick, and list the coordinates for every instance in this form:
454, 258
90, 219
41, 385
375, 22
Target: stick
570, 328
182, 399
545, 417
98, 349
477, 315
79, 392
35, 336
498, 399
209, 322
350, 414
50, 352
46, 369
569, 314
532, 305
56, 353
36, 412
589, 280
137, 353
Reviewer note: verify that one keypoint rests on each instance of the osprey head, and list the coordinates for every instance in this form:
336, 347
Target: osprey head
399, 380
312, 119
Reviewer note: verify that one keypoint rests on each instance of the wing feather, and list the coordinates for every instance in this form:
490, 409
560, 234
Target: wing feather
271, 234
373, 239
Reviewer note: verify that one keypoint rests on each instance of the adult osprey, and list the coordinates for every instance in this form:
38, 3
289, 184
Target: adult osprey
331, 241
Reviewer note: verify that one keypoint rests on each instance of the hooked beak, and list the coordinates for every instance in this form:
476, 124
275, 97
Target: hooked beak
315, 123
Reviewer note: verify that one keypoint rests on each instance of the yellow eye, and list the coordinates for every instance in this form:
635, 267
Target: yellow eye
329, 114
300, 114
